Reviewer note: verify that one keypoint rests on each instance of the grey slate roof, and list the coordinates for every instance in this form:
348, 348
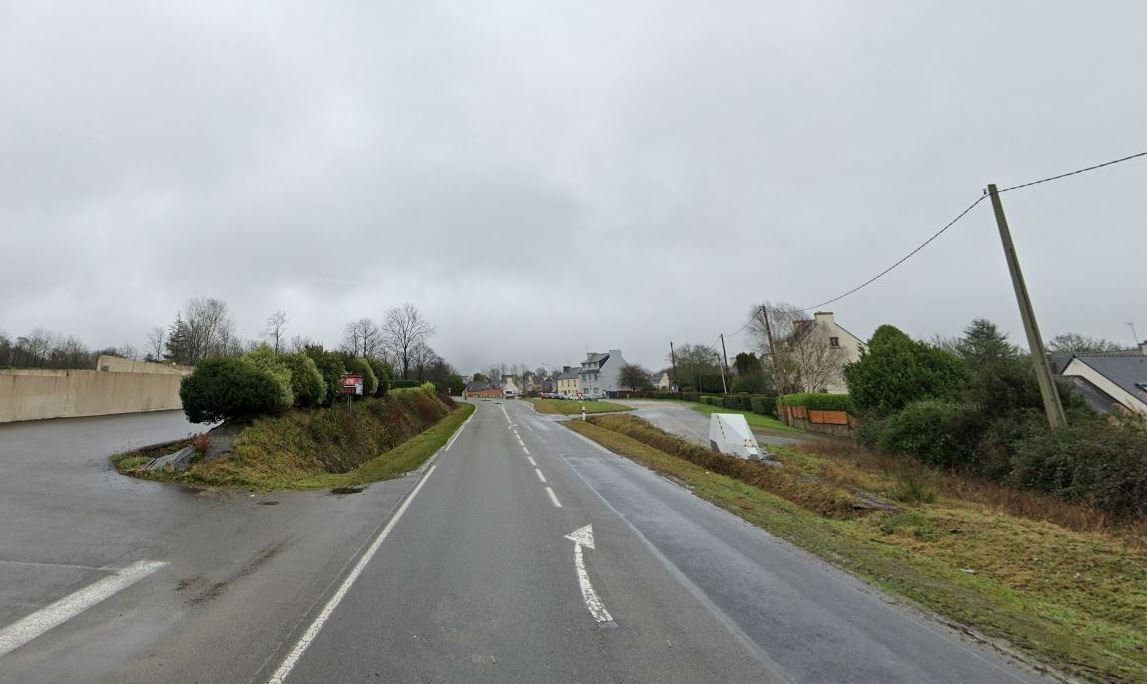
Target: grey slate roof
1129, 371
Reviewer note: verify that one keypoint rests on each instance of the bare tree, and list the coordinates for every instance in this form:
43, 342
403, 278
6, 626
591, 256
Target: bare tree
362, 338
156, 337
299, 344
203, 329
634, 376
403, 328
276, 330
803, 359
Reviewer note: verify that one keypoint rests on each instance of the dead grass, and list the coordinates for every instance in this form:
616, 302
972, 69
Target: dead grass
1056, 580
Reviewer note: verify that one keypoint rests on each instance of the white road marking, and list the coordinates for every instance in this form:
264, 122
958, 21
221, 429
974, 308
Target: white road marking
525, 450
583, 536
554, 498
532, 461
459, 431
22, 631
304, 641
540, 476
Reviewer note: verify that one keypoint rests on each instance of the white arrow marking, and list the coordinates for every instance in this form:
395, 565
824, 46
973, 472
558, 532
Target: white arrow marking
583, 536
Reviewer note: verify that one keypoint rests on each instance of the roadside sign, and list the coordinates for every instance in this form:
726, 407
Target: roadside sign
351, 384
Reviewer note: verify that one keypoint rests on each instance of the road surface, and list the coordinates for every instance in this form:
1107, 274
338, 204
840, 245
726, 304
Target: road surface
522, 553
679, 418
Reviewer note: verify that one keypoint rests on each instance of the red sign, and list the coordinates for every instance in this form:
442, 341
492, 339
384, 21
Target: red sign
352, 384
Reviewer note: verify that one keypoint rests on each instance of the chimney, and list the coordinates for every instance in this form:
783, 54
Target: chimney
823, 317
1143, 347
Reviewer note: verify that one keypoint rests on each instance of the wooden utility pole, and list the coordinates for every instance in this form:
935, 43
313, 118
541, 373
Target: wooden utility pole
673, 360
725, 356
772, 350
1051, 403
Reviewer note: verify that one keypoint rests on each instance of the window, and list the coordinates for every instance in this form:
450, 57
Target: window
834, 342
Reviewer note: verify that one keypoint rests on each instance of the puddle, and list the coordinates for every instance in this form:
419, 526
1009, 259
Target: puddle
268, 503
347, 490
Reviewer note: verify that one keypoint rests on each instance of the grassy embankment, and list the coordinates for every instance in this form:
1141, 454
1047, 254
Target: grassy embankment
372, 440
1058, 581
570, 406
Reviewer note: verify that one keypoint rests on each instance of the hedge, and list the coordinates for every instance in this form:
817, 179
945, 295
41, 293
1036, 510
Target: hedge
404, 384
818, 402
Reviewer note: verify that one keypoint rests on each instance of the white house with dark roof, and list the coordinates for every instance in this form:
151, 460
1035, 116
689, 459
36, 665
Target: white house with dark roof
600, 373
1107, 380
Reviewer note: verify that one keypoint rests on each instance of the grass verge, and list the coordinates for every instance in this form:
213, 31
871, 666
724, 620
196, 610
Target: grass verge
570, 407
756, 421
268, 457
1065, 592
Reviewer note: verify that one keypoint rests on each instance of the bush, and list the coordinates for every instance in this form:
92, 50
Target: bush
382, 372
765, 404
360, 366
306, 380
750, 384
331, 367
816, 401
894, 371
228, 389
690, 396
403, 384
936, 432
265, 358
1091, 461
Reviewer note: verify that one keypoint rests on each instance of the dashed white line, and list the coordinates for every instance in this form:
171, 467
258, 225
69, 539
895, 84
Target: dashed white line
532, 461
553, 498
540, 476
292, 658
22, 631
525, 450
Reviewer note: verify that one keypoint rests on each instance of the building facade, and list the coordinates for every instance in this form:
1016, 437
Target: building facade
600, 374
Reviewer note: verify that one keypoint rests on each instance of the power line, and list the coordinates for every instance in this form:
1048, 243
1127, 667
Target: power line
1077, 171
906, 257
961, 215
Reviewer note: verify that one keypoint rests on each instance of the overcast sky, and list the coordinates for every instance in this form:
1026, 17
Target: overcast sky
539, 177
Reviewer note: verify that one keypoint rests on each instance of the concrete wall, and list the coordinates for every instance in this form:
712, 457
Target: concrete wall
116, 364
40, 394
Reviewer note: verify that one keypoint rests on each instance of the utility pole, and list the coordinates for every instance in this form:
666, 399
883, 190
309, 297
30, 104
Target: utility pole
673, 360
1051, 403
726, 357
772, 350
724, 387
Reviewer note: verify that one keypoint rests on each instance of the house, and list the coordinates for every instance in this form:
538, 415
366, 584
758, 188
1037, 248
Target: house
567, 382
510, 388
600, 374
814, 355
482, 390
660, 381
1107, 381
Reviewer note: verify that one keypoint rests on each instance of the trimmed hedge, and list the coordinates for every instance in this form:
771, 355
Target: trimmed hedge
764, 404
230, 388
819, 402
404, 384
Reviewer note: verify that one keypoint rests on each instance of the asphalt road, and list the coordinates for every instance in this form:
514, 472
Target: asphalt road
469, 572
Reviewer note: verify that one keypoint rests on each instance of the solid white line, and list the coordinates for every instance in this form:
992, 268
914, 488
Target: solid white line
540, 476
592, 601
459, 431
304, 641
22, 631
554, 498
532, 461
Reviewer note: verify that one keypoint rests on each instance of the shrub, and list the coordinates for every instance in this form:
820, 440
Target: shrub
403, 384
306, 380
894, 371
817, 401
227, 389
936, 432
750, 384
331, 367
360, 366
690, 396
765, 404
1091, 461
265, 358
382, 372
